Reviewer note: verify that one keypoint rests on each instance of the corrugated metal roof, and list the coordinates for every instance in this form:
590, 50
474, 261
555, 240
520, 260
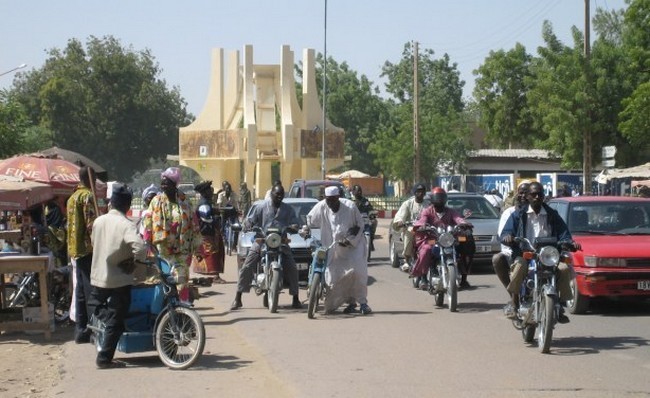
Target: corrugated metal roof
513, 153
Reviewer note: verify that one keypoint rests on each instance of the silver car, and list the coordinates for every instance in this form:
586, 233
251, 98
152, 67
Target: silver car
299, 247
478, 211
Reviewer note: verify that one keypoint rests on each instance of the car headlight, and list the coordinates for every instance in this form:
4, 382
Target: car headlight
446, 239
273, 240
593, 261
549, 256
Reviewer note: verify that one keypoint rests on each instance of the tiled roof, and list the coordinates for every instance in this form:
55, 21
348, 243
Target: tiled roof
513, 153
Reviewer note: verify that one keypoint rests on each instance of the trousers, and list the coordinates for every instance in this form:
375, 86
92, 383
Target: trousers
111, 307
518, 272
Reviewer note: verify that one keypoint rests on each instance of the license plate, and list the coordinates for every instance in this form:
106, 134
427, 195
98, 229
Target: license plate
483, 249
643, 285
302, 266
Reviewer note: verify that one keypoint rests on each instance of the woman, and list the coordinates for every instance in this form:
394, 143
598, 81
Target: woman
172, 227
210, 257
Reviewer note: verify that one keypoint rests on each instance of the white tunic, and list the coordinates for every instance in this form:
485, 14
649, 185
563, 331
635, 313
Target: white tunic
340, 259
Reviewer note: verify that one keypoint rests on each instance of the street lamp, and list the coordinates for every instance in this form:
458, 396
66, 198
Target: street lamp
14, 69
322, 154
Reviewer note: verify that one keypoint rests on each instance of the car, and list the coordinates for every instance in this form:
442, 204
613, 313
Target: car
300, 247
614, 261
478, 211
314, 188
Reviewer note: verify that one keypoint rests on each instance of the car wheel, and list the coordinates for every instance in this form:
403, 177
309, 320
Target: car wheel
392, 253
580, 303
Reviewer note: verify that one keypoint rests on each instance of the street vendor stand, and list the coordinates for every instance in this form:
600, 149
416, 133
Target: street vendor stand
26, 263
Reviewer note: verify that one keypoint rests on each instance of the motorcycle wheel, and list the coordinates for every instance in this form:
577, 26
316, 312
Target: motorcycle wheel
61, 301
274, 291
452, 289
416, 282
180, 339
545, 333
265, 300
314, 295
580, 303
392, 253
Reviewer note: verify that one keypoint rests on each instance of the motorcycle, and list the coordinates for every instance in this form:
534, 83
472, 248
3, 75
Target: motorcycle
539, 304
230, 229
24, 291
444, 278
369, 228
316, 286
268, 277
158, 320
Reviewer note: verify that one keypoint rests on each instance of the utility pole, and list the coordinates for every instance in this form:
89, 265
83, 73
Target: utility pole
416, 124
586, 141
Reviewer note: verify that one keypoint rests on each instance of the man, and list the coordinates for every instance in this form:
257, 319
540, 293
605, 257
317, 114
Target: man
227, 204
272, 213
501, 260
437, 215
341, 221
81, 213
211, 255
364, 206
409, 212
245, 199
537, 220
116, 245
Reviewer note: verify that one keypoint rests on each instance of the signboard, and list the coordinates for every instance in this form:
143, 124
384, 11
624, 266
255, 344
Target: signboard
609, 162
503, 183
609, 152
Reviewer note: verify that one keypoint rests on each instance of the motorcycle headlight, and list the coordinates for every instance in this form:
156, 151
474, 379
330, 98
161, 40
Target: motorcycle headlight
549, 256
273, 240
446, 239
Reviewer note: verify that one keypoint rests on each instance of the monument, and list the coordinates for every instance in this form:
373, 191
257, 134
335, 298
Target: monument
252, 128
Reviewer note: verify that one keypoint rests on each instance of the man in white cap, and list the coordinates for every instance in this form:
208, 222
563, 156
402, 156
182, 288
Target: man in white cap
341, 221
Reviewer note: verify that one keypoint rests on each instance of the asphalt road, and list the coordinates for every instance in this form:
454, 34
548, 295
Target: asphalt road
406, 347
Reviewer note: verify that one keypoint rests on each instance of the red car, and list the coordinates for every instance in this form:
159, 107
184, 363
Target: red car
614, 232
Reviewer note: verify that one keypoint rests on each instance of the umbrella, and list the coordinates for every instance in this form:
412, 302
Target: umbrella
60, 174
76, 158
18, 194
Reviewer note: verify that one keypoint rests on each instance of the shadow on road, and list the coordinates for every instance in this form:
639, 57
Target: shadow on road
593, 345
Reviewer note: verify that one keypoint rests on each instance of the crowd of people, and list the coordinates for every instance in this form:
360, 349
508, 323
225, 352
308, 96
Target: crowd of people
105, 250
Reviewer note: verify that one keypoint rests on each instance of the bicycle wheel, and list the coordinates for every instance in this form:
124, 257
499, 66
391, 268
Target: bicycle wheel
180, 338
314, 295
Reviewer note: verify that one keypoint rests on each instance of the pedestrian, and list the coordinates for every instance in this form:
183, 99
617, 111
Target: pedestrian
245, 199
81, 213
341, 221
210, 257
117, 246
173, 230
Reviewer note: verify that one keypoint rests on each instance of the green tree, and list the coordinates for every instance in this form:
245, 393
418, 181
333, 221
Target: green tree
107, 102
444, 132
500, 93
13, 123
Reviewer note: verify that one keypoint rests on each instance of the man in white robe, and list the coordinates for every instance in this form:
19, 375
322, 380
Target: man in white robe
347, 265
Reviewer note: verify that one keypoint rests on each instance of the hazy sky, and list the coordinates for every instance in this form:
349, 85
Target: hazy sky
363, 33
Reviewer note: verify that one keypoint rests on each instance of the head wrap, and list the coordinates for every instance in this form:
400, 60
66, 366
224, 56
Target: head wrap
151, 189
173, 174
203, 186
332, 191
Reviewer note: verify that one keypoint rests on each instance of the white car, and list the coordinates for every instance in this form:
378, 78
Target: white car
300, 247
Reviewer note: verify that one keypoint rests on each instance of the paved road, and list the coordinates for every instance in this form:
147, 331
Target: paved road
407, 347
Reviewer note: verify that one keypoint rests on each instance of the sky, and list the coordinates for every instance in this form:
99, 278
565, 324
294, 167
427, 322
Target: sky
363, 33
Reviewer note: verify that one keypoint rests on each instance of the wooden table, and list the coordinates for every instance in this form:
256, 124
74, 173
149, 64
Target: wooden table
19, 264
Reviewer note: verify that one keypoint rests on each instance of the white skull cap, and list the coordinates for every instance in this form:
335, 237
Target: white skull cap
332, 191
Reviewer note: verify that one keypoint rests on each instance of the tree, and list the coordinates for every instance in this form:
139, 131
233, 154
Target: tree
106, 102
13, 123
444, 133
500, 93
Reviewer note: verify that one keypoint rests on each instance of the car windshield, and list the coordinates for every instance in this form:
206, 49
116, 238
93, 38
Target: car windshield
473, 207
609, 218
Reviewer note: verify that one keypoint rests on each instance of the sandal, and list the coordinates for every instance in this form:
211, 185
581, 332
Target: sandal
219, 280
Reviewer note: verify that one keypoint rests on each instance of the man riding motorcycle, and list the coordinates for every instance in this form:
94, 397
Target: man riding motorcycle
409, 212
536, 220
364, 206
437, 215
